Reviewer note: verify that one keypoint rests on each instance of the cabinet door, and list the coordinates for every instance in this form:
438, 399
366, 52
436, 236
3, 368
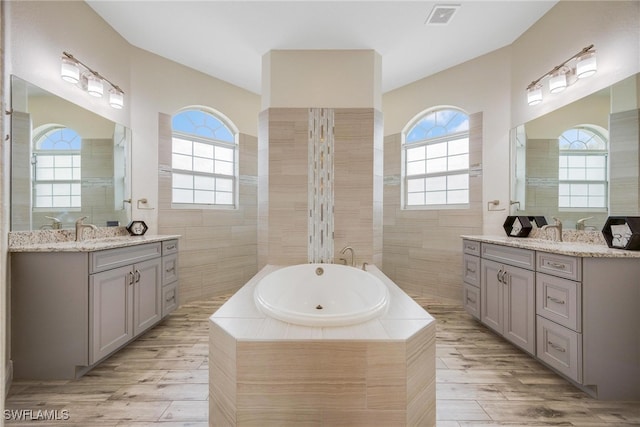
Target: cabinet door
147, 298
491, 295
519, 308
110, 311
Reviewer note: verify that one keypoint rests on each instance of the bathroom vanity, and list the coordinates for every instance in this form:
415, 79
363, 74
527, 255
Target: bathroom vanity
573, 306
75, 303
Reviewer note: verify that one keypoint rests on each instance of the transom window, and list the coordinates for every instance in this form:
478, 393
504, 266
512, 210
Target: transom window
203, 162
56, 168
582, 174
436, 159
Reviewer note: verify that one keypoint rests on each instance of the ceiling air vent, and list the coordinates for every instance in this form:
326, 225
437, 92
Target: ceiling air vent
442, 14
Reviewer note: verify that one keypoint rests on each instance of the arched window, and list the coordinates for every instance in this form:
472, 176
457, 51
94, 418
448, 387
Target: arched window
204, 159
56, 167
436, 159
582, 173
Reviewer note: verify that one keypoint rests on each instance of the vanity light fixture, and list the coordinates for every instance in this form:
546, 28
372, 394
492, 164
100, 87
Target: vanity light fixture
75, 71
580, 65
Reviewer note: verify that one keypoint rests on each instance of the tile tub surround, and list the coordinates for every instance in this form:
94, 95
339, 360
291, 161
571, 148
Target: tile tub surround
64, 240
266, 372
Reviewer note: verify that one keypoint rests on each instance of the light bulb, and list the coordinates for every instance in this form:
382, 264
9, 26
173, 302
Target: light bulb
116, 98
534, 95
69, 71
95, 86
586, 65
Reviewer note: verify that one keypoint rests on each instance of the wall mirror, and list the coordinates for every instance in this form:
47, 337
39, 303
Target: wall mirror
580, 163
66, 163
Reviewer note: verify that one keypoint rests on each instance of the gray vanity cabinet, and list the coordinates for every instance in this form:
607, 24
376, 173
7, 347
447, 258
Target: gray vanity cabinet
124, 302
72, 309
507, 302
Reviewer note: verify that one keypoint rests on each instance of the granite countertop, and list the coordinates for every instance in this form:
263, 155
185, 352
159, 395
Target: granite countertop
572, 248
64, 240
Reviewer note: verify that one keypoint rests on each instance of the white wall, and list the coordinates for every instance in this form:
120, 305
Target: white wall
321, 78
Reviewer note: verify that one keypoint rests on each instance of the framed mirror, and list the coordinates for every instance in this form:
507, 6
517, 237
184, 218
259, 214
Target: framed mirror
66, 163
580, 163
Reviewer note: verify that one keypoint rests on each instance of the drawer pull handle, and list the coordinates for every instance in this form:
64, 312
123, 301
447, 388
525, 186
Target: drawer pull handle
130, 278
471, 270
556, 300
137, 276
170, 247
556, 347
171, 298
169, 270
557, 265
471, 300
471, 248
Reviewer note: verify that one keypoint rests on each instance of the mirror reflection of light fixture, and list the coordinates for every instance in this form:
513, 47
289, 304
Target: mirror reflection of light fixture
75, 71
580, 65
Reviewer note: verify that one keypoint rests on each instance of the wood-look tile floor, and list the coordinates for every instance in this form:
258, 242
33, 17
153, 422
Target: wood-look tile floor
162, 379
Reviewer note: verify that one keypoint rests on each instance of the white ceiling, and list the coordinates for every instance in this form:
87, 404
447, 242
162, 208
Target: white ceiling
227, 39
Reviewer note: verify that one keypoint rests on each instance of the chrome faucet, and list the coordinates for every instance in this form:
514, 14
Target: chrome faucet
353, 255
580, 223
80, 228
557, 226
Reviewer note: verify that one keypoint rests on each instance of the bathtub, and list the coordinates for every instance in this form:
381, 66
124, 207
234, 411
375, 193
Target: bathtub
321, 295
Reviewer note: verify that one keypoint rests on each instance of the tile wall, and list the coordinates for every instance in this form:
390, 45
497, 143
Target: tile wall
218, 251
625, 182
422, 248
282, 189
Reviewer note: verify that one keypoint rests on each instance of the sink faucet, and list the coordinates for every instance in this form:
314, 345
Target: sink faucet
353, 254
56, 224
581, 221
80, 228
557, 226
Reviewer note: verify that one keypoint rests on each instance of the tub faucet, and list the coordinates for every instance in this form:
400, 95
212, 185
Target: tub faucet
557, 226
353, 254
80, 228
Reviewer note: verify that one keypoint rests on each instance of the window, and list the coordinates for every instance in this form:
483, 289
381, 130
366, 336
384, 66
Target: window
56, 167
203, 161
582, 172
436, 160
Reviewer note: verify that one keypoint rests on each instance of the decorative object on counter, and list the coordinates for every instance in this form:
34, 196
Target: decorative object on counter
622, 232
137, 228
538, 221
517, 226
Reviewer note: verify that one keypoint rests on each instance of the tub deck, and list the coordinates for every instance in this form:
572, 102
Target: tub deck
266, 372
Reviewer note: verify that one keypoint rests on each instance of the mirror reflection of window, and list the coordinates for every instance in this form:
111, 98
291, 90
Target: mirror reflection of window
56, 164
582, 173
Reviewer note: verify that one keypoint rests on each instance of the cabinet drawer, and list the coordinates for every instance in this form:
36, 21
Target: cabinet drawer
560, 348
169, 298
471, 269
559, 300
513, 256
565, 266
470, 247
118, 257
169, 269
471, 300
169, 247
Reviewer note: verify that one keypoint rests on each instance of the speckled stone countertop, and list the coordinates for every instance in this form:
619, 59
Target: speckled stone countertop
64, 240
581, 244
